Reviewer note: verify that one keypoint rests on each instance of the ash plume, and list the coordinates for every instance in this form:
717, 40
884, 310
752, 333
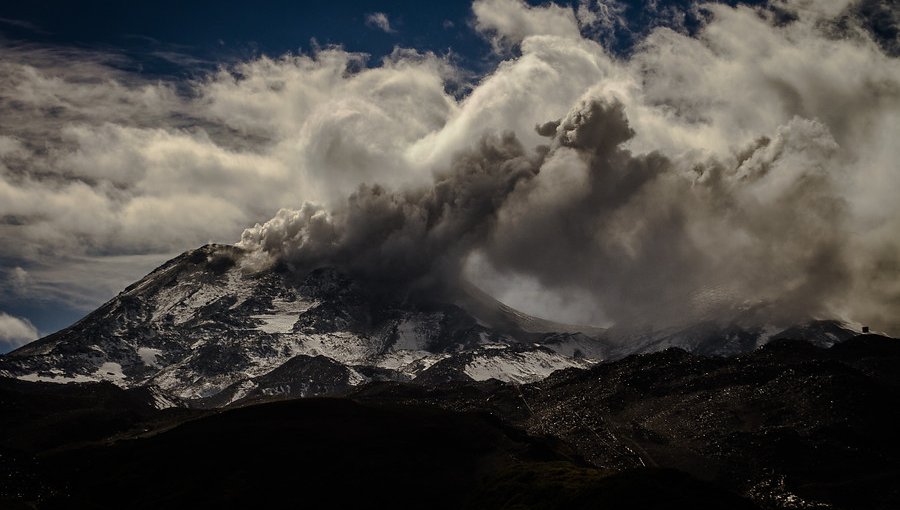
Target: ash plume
660, 240
413, 237
743, 165
647, 236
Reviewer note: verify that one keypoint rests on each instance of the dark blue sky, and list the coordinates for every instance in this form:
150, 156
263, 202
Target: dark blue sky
227, 30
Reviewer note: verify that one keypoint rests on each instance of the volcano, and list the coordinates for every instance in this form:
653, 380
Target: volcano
204, 330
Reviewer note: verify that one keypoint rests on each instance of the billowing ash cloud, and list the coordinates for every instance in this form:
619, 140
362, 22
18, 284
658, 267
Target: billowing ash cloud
411, 237
751, 162
739, 184
646, 236
658, 239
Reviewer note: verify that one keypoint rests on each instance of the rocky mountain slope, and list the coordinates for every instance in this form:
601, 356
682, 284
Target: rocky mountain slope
200, 327
203, 330
96, 446
788, 426
510, 411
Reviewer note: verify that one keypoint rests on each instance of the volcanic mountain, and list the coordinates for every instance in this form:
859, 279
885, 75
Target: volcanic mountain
201, 327
204, 330
196, 371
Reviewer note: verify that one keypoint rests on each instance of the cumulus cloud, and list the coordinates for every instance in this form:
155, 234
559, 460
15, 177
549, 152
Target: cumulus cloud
509, 22
747, 165
95, 161
15, 332
380, 21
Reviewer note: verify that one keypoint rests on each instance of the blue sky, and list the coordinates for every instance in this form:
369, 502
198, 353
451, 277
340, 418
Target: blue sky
222, 31
225, 30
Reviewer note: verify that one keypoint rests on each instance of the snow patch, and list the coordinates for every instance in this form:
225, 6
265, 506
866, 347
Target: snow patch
342, 346
149, 355
161, 400
112, 372
413, 333
280, 323
56, 378
519, 367
182, 301
243, 388
283, 316
354, 378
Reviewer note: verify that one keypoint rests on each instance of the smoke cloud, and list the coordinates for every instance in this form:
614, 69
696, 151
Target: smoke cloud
648, 237
408, 236
706, 177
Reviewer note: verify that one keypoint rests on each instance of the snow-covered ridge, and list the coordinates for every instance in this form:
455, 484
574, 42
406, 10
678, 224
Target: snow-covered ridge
201, 324
520, 367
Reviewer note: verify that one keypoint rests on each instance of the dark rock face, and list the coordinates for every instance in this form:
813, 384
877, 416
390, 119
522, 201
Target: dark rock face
299, 377
790, 425
787, 426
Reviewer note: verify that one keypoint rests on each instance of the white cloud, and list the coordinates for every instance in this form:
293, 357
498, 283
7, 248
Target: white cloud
601, 15
95, 161
15, 332
272, 133
380, 21
509, 22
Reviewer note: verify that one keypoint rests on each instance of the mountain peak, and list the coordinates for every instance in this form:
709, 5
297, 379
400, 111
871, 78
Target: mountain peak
202, 323
206, 328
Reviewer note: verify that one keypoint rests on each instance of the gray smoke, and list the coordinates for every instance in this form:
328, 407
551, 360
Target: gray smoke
660, 240
649, 237
413, 237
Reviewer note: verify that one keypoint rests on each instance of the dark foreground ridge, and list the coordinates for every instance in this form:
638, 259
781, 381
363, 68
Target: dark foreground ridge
336, 454
787, 426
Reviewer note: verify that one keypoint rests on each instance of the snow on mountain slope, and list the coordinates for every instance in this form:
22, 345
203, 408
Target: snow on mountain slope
519, 367
201, 325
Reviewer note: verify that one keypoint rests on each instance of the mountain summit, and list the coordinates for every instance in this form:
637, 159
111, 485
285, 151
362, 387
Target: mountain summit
200, 326
203, 329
